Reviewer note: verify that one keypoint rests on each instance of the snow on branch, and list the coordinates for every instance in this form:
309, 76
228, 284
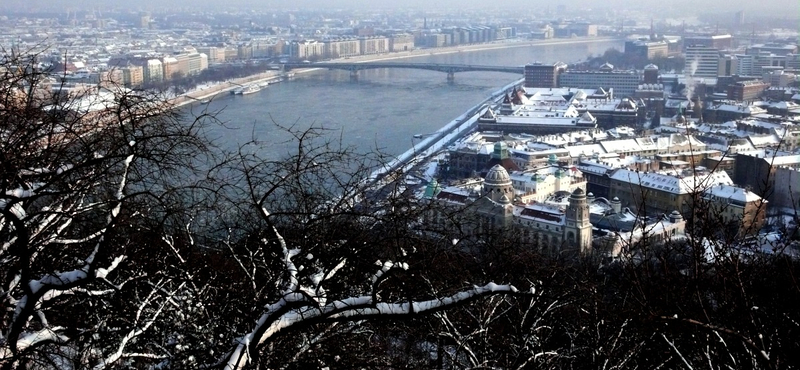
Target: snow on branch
44, 335
295, 309
53, 284
385, 267
48, 287
136, 331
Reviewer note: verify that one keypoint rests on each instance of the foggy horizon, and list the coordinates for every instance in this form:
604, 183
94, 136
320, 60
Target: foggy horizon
787, 8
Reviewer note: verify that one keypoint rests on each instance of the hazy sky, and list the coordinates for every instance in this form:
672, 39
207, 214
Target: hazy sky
789, 8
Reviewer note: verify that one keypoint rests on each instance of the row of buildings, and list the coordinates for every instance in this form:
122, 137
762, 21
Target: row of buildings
752, 162
343, 47
715, 65
565, 199
139, 69
704, 61
452, 36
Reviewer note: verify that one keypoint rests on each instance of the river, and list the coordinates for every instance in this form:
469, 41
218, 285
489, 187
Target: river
385, 108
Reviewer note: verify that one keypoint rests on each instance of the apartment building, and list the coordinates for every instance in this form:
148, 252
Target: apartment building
342, 47
624, 83
701, 61
132, 75
401, 42
373, 45
153, 71
306, 49
543, 74
192, 64
649, 193
735, 209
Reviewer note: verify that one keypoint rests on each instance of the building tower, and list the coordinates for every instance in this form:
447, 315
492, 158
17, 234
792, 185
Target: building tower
497, 185
543, 75
738, 20
494, 209
701, 61
506, 107
652, 31
651, 74
578, 230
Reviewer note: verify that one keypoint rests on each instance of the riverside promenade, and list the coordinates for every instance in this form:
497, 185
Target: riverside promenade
210, 91
421, 152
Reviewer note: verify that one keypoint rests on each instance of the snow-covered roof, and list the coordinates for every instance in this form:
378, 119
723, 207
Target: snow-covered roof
785, 160
764, 140
544, 171
576, 151
672, 184
733, 193
92, 102
618, 146
452, 194
741, 109
620, 131
765, 124
784, 105
647, 143
541, 213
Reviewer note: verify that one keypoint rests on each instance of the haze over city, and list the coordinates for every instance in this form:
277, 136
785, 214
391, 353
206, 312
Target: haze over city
781, 8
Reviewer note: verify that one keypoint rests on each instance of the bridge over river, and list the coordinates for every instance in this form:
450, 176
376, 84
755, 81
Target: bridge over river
450, 69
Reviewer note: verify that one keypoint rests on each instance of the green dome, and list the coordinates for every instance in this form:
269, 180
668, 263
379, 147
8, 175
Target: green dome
500, 150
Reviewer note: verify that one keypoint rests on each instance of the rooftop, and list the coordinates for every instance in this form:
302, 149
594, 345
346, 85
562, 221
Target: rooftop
683, 182
732, 193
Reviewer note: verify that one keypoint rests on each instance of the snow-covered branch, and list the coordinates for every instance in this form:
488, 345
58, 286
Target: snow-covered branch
140, 326
294, 309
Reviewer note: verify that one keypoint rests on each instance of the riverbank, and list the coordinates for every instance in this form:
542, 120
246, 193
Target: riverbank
206, 92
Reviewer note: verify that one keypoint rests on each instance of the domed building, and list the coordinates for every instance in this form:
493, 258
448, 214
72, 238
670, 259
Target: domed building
494, 208
497, 185
547, 227
477, 206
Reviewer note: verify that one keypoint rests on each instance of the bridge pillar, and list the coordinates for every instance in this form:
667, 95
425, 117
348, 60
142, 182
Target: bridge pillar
451, 76
353, 75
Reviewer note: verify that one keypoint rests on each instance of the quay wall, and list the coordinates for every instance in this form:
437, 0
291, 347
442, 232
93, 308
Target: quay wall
442, 138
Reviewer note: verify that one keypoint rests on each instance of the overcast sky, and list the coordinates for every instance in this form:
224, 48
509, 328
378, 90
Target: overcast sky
789, 8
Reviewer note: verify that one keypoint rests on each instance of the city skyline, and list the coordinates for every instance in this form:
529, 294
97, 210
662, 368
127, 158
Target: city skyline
714, 6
